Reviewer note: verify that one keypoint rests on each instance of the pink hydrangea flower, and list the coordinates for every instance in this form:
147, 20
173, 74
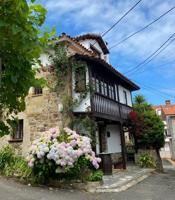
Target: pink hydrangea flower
64, 154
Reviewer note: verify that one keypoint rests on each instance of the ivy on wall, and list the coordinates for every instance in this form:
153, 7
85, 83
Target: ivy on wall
64, 66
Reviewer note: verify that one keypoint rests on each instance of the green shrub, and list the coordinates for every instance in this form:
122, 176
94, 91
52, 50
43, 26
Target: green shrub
13, 165
6, 160
96, 176
145, 160
43, 170
81, 170
21, 168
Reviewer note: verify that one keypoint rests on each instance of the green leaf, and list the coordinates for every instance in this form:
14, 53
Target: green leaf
20, 47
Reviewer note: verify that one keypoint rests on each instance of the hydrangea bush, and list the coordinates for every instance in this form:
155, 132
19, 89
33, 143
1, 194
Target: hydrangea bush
59, 151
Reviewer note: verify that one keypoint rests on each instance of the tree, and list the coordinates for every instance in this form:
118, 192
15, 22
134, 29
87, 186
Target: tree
141, 105
147, 127
21, 43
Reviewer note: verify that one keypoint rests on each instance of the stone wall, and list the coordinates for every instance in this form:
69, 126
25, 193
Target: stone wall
153, 154
42, 113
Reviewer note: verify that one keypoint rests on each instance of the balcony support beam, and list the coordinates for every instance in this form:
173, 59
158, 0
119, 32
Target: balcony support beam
123, 146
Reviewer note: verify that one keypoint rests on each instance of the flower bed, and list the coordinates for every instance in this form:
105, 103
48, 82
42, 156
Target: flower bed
62, 155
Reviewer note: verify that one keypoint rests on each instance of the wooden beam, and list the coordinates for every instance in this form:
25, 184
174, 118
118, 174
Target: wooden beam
123, 146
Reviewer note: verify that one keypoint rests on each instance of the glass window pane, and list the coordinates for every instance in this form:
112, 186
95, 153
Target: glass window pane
125, 97
105, 89
97, 86
102, 87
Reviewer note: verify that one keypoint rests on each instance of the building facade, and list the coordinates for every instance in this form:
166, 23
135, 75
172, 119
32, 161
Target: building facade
108, 105
167, 114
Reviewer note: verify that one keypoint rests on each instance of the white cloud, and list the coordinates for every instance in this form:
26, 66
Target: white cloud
80, 16
98, 15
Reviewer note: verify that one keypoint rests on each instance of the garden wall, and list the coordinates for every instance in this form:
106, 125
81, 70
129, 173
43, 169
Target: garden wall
153, 154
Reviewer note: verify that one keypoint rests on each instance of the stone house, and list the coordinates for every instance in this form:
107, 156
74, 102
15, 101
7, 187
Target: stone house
108, 105
167, 114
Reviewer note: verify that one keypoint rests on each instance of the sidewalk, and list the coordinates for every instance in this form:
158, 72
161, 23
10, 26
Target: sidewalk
123, 180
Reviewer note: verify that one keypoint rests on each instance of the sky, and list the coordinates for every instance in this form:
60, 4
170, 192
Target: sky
157, 78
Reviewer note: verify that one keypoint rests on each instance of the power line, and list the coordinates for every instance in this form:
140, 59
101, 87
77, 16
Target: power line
150, 56
123, 16
154, 56
159, 66
140, 30
156, 93
165, 64
155, 90
107, 31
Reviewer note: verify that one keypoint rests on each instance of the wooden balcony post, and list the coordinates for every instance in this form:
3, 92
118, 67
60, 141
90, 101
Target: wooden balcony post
123, 146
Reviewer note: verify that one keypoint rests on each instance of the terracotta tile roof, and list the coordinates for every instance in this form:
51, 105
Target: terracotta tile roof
65, 37
96, 37
169, 109
166, 109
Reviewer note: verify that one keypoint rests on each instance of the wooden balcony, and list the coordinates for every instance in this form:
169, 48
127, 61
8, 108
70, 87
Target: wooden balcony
108, 108
125, 110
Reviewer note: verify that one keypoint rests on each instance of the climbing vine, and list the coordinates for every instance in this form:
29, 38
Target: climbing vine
64, 68
86, 125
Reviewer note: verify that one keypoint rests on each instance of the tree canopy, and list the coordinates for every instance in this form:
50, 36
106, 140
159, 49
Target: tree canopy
21, 43
147, 126
141, 105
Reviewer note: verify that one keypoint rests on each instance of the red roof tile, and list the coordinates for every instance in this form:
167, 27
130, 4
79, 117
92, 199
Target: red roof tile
166, 109
169, 109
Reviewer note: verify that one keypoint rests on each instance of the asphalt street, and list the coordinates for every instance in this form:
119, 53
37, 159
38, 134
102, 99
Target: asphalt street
156, 187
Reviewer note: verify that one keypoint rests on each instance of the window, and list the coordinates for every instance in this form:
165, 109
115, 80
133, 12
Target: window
93, 83
116, 93
108, 134
38, 90
102, 87
105, 89
125, 97
18, 131
111, 91
80, 80
97, 85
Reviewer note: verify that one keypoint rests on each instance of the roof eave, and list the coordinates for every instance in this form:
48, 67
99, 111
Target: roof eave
132, 85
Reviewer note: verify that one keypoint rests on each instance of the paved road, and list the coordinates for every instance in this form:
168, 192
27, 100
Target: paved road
156, 187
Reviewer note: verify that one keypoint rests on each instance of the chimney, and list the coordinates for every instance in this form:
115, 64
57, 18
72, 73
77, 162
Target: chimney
167, 102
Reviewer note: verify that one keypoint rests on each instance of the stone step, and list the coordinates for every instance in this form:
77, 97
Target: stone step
125, 183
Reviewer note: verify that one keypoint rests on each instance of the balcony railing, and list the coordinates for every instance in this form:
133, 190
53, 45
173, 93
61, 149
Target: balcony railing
108, 107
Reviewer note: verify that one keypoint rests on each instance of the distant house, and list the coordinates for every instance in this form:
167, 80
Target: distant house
167, 114
108, 105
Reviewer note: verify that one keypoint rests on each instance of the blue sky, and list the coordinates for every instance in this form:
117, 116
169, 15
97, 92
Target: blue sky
80, 16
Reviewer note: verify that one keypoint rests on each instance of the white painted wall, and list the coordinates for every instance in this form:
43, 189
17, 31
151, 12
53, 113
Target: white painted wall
44, 58
97, 142
88, 42
121, 95
114, 141
85, 104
